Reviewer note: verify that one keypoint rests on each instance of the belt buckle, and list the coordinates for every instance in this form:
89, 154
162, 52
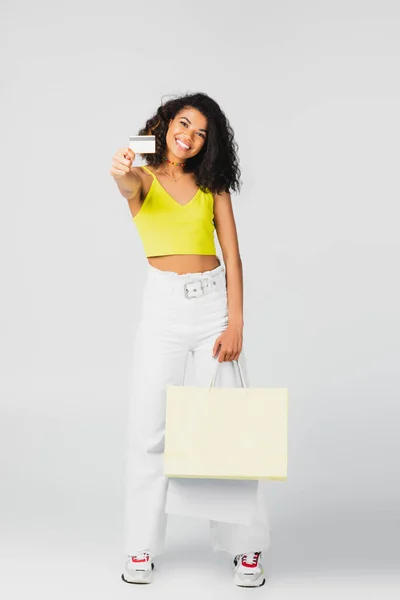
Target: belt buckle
198, 283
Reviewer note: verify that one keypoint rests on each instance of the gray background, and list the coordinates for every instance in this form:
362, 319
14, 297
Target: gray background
312, 92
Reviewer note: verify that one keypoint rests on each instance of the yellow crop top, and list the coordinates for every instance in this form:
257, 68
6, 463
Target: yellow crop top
167, 227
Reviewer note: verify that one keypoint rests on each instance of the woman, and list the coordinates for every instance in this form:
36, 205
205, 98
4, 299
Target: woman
191, 303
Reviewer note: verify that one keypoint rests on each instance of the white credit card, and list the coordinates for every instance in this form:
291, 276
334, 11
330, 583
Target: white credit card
142, 143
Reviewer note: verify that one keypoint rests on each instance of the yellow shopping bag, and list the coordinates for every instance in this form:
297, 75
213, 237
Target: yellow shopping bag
226, 433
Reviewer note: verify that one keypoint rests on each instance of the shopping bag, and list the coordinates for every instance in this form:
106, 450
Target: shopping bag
226, 433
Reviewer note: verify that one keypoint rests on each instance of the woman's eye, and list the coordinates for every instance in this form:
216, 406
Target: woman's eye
184, 123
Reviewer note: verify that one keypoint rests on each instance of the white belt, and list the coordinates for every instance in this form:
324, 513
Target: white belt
204, 285
194, 287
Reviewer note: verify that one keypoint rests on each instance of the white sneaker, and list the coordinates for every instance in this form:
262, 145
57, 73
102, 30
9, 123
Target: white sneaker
248, 571
138, 569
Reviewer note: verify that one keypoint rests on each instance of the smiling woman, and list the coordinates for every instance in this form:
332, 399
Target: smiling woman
195, 158
186, 135
191, 303
186, 123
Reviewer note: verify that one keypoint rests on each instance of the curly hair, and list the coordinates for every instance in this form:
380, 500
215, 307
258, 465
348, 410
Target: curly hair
216, 166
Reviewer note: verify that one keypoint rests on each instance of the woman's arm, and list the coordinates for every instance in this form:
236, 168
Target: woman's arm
227, 236
129, 185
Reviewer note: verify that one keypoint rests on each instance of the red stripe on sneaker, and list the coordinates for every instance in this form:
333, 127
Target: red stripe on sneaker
252, 565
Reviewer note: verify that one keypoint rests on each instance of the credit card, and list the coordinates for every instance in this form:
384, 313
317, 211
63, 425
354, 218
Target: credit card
142, 144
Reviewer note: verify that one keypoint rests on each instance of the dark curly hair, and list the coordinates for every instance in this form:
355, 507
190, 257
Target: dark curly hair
216, 166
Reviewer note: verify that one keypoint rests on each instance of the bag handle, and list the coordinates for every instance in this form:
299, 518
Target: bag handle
216, 372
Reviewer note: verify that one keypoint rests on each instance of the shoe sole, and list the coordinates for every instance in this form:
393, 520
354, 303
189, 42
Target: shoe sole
142, 579
240, 583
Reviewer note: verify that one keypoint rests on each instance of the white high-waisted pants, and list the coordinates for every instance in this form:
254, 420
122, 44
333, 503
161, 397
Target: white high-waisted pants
170, 327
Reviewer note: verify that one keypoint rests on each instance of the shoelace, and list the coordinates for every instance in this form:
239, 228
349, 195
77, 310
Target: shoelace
141, 557
250, 559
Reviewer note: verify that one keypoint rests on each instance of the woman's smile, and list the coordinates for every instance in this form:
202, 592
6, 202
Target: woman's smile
182, 144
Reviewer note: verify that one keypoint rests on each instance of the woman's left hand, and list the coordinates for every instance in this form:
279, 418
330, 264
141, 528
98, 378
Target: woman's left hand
230, 342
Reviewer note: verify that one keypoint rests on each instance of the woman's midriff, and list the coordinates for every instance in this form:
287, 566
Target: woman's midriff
185, 263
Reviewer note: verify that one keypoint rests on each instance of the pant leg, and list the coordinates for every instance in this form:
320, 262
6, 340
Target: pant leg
159, 359
234, 537
239, 539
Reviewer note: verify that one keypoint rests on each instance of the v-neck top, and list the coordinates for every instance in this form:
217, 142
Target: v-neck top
167, 227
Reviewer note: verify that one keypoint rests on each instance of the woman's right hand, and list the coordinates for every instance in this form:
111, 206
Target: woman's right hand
122, 162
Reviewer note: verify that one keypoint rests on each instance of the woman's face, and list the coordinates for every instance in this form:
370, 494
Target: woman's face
186, 135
